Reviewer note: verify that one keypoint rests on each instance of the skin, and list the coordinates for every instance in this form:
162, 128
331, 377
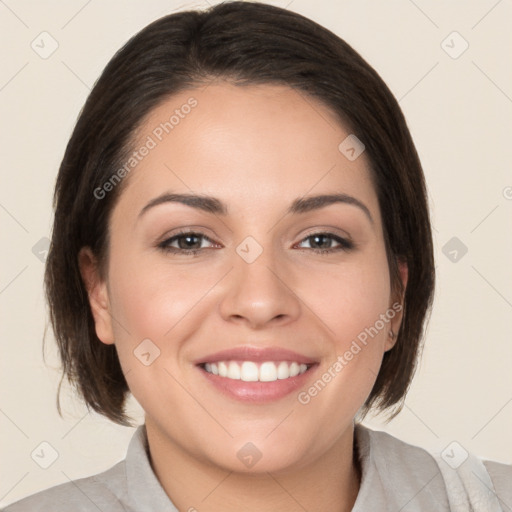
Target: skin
257, 149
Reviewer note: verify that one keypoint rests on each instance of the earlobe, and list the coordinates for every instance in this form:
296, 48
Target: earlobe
390, 342
97, 293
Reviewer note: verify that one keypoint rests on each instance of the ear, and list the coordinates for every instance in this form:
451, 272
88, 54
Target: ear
397, 305
98, 295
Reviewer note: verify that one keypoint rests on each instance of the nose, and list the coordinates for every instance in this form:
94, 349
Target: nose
260, 294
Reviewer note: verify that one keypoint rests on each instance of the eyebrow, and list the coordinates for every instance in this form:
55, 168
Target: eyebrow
213, 205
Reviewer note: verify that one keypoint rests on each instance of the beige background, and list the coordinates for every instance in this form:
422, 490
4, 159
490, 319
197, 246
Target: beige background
460, 114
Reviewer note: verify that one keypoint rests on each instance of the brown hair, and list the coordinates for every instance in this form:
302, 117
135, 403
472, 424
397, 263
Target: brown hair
245, 43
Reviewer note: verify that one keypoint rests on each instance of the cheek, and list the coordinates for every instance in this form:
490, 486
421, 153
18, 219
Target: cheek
350, 299
355, 307
167, 306
149, 298
150, 310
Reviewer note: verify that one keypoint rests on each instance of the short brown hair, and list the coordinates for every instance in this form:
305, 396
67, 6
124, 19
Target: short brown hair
244, 43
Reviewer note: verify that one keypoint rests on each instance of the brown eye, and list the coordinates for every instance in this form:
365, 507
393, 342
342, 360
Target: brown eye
189, 241
186, 243
326, 242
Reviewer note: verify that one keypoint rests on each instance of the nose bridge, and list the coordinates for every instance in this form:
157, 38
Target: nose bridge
257, 292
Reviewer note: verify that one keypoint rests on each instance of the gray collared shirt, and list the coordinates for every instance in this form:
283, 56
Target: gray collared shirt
395, 476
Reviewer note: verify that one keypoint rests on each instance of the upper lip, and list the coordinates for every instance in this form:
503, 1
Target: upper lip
256, 354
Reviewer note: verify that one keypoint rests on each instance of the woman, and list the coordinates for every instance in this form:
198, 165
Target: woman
242, 241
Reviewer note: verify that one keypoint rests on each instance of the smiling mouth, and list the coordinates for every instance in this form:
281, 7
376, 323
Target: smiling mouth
250, 371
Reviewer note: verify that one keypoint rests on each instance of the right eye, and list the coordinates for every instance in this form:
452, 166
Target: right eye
186, 243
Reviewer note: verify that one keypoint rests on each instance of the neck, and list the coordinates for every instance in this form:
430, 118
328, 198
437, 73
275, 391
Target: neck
331, 482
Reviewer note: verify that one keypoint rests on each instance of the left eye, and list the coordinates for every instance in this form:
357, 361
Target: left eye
325, 242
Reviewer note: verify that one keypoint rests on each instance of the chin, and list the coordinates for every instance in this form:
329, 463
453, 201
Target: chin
250, 460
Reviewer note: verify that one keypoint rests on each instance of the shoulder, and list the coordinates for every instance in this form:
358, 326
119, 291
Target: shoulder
470, 482
501, 477
397, 475
103, 491
129, 485
391, 453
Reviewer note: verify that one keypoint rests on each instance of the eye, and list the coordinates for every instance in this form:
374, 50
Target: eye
191, 243
326, 242
188, 242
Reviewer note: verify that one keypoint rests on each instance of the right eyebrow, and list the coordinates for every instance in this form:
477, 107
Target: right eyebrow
207, 203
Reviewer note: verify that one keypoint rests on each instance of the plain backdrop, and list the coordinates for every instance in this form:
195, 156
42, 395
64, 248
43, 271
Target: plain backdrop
458, 105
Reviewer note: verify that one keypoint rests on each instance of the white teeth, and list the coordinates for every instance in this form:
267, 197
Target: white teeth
223, 369
294, 369
283, 372
233, 371
249, 371
268, 372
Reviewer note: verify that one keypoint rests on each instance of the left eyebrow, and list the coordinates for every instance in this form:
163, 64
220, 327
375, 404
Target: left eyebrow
307, 204
216, 206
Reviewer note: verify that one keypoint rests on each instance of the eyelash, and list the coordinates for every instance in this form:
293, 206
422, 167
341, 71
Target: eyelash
344, 244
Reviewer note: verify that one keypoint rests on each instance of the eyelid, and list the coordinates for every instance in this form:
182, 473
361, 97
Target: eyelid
186, 230
326, 230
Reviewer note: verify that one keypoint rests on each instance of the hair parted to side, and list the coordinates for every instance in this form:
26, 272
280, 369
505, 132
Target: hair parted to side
243, 43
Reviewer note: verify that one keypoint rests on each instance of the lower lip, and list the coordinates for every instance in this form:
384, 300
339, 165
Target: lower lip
258, 392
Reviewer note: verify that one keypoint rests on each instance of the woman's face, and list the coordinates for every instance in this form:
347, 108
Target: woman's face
247, 247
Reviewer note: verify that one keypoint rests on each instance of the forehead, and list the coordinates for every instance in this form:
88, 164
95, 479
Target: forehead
241, 143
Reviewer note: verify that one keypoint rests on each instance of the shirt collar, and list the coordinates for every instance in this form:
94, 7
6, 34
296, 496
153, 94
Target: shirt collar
144, 490
146, 493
